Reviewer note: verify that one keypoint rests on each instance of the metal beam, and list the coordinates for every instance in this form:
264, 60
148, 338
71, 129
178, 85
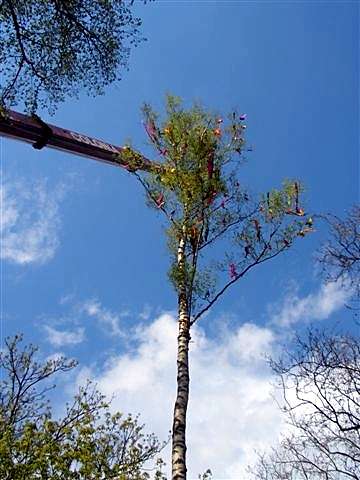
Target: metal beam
35, 131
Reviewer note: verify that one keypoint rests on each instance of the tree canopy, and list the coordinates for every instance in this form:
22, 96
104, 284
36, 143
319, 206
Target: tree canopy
320, 383
197, 186
339, 257
52, 49
85, 442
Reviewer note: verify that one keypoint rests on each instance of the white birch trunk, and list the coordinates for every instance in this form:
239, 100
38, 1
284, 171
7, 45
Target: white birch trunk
183, 379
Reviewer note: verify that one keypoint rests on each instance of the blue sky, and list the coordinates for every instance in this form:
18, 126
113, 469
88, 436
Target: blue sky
84, 268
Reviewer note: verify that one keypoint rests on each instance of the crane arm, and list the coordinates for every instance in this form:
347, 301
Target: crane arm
33, 130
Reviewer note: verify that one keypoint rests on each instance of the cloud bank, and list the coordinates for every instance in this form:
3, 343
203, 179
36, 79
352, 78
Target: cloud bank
316, 306
231, 411
61, 338
111, 322
30, 221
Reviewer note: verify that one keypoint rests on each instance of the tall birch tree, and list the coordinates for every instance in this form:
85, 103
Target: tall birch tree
217, 230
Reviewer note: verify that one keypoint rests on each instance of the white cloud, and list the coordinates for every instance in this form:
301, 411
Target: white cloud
316, 306
30, 221
107, 319
145, 313
251, 341
55, 357
60, 338
231, 411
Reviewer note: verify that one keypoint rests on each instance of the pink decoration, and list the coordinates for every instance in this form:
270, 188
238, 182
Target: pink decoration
210, 167
151, 129
160, 201
211, 197
232, 271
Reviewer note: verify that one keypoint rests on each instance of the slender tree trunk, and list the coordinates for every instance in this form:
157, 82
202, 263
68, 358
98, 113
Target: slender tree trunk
183, 379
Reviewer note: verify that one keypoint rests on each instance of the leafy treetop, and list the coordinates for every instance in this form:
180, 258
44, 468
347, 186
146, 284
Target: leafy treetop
196, 184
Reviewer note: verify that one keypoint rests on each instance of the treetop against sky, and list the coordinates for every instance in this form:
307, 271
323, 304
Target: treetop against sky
87, 259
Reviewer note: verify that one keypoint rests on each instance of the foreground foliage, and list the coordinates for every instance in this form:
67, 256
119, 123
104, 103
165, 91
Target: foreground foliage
86, 442
51, 49
320, 383
339, 257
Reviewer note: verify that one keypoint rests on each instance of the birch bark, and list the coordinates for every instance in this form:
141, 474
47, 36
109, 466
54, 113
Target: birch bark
179, 420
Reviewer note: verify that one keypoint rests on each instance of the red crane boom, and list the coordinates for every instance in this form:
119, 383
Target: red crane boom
33, 130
